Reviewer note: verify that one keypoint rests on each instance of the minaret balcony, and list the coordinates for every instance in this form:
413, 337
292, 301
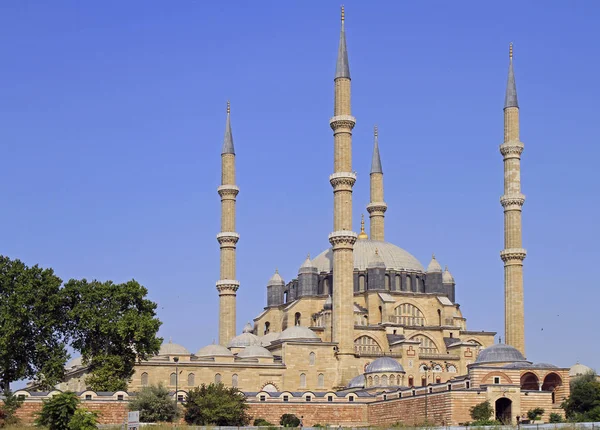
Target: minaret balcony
512, 149
513, 255
342, 122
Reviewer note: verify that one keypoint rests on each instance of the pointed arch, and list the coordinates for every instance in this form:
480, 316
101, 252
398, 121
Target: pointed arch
427, 346
409, 315
367, 345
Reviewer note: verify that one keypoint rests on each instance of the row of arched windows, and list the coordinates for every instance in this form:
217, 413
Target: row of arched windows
408, 314
320, 380
367, 345
191, 379
418, 283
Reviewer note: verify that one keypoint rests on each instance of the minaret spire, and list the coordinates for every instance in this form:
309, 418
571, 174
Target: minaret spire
377, 206
342, 238
227, 285
512, 201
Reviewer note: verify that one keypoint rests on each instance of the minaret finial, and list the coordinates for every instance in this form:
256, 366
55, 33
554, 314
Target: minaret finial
433, 255
510, 49
342, 67
343, 17
375, 131
376, 160
510, 99
228, 107
228, 140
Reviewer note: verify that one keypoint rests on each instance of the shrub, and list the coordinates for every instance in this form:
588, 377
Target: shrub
57, 412
486, 423
535, 414
155, 405
289, 420
83, 420
556, 418
214, 404
482, 411
9, 408
261, 422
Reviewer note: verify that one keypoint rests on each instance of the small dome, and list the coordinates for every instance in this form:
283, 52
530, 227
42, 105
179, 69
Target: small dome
434, 266
384, 364
447, 277
276, 279
357, 382
376, 261
254, 351
172, 349
74, 362
580, 369
500, 353
298, 332
328, 303
268, 338
214, 351
247, 338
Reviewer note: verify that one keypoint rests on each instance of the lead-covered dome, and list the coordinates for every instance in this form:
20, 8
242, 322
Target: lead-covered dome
579, 369
500, 353
255, 351
214, 351
173, 349
384, 364
393, 257
357, 382
298, 333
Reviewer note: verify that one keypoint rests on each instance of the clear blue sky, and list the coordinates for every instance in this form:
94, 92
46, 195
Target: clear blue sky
111, 125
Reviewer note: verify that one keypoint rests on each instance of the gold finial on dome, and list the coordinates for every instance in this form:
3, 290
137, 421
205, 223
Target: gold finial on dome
510, 51
362, 235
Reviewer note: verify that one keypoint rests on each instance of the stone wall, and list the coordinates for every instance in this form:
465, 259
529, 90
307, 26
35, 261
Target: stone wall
353, 414
110, 411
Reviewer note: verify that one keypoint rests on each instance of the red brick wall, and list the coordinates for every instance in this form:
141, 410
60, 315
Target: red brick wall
347, 414
411, 410
110, 412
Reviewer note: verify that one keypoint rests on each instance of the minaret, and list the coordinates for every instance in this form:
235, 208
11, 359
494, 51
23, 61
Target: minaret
377, 206
512, 201
227, 286
342, 238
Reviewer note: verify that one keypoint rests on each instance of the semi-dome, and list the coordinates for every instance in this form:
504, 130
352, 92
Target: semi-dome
255, 351
357, 382
268, 338
500, 353
447, 277
434, 266
171, 348
74, 362
384, 364
394, 258
298, 333
579, 369
214, 351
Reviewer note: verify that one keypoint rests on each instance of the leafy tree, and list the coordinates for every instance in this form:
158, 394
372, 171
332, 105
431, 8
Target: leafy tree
555, 418
57, 412
261, 422
113, 326
8, 409
155, 405
289, 420
535, 414
482, 411
83, 419
32, 316
215, 404
584, 402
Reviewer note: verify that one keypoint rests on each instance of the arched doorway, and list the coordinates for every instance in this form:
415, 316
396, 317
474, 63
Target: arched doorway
529, 381
504, 410
551, 382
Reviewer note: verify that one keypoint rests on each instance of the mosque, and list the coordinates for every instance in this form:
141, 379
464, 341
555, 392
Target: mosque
365, 321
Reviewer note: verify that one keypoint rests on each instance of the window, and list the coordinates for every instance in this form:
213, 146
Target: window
423, 381
217, 378
397, 283
387, 282
366, 345
496, 379
384, 380
437, 368
321, 380
286, 398
330, 398
297, 318
234, 380
88, 397
393, 380
191, 380
376, 380
302, 380
120, 397
361, 283
267, 327
411, 381
451, 368
468, 385
263, 398
427, 346
449, 387
308, 398
400, 394
326, 286
173, 379
385, 397
351, 398
408, 284
438, 380
144, 379
180, 398
311, 358
430, 390
409, 315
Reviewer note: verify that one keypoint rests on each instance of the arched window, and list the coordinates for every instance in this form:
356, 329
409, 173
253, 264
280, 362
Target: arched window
361, 283
297, 318
234, 380
440, 317
408, 314
321, 380
311, 358
451, 368
393, 380
384, 380
387, 282
408, 283
370, 381
411, 381
438, 380
423, 381
303, 380
191, 379
144, 379
173, 379
529, 381
437, 368
551, 382
376, 380
326, 286
366, 345
218, 378
427, 346
267, 327
397, 284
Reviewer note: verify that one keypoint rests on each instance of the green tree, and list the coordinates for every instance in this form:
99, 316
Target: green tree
535, 414
555, 418
113, 326
83, 419
584, 402
32, 317
482, 411
261, 422
8, 409
155, 405
289, 420
215, 404
57, 412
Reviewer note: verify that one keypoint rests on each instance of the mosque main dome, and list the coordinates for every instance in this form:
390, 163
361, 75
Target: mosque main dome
394, 257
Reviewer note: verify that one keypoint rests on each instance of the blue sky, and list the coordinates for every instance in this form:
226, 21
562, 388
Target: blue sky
111, 125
